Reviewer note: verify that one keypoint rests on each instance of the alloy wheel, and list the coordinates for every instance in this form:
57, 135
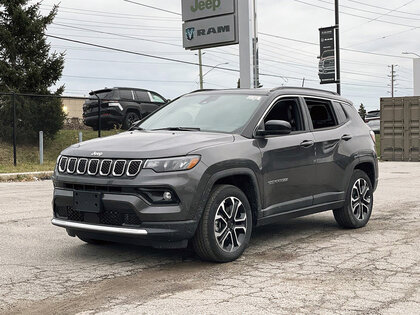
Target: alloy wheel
230, 224
360, 199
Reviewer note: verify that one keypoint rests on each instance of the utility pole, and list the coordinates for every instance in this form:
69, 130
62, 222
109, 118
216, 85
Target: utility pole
200, 61
337, 38
392, 77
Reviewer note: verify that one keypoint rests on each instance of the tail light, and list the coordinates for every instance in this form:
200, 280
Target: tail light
373, 136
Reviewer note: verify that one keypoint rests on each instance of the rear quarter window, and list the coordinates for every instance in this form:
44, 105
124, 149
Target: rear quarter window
126, 94
142, 96
339, 113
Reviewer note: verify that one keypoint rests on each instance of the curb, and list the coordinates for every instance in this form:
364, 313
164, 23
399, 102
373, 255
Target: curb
26, 176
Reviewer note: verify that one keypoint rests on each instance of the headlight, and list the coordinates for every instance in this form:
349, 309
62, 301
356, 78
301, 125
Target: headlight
173, 164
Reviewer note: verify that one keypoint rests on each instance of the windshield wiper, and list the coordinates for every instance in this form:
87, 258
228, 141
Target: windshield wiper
178, 129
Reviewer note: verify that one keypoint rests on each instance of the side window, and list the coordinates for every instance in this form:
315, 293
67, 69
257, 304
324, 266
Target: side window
288, 110
142, 96
156, 98
322, 114
126, 95
339, 112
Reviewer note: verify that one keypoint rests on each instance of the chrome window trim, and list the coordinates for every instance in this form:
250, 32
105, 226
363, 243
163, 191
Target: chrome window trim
96, 171
100, 168
113, 169
65, 164
77, 167
138, 170
68, 165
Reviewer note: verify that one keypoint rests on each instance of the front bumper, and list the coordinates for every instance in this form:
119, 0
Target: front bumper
126, 214
155, 234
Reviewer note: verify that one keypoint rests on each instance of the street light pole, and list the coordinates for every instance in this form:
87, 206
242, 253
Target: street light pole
416, 73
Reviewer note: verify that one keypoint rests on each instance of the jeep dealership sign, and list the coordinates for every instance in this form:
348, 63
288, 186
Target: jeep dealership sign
199, 9
209, 23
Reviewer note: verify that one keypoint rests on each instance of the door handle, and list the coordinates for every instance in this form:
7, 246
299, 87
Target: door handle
307, 143
346, 137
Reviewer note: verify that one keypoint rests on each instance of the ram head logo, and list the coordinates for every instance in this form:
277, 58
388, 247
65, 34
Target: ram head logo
189, 32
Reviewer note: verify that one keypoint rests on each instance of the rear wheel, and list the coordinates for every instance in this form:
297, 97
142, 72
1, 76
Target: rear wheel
225, 227
129, 119
358, 206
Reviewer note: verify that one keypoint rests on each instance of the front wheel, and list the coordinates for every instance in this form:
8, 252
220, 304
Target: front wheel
358, 206
225, 227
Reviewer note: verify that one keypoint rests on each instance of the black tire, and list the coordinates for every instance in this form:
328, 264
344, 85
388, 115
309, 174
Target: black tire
129, 118
236, 232
350, 218
91, 241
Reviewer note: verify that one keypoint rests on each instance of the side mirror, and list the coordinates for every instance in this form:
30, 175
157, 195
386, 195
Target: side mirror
275, 127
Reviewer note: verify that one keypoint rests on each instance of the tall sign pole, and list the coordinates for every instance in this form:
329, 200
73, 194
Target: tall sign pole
337, 44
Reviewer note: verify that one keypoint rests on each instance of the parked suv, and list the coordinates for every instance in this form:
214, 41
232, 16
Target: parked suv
373, 120
120, 107
211, 166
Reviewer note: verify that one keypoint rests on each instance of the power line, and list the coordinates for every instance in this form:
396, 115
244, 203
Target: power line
346, 49
373, 12
107, 13
116, 34
355, 15
382, 8
159, 57
152, 7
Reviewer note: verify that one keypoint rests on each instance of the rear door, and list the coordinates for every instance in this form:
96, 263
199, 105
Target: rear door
333, 154
145, 102
288, 161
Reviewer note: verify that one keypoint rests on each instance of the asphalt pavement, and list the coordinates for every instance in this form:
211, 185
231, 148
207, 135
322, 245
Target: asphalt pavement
307, 265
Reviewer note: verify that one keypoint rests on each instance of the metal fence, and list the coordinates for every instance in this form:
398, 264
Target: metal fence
19, 131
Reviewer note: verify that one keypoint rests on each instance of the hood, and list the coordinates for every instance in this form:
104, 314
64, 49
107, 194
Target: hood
147, 144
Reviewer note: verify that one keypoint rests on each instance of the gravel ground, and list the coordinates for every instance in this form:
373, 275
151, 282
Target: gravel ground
307, 265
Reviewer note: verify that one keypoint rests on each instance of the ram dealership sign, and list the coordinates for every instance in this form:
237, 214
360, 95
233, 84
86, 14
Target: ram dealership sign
209, 23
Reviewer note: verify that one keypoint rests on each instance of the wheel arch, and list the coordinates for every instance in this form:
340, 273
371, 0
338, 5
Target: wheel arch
369, 169
243, 178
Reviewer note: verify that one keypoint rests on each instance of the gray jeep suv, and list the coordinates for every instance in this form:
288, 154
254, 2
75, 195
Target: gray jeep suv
211, 166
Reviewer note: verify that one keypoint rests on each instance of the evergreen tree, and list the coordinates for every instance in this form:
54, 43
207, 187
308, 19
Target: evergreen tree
27, 66
362, 111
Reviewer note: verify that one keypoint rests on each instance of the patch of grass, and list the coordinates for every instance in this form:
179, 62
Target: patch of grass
28, 155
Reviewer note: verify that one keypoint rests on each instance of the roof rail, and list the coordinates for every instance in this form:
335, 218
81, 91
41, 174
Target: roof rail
302, 88
203, 90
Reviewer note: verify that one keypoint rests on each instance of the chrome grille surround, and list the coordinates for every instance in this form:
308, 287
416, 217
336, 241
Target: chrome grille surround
62, 166
119, 168
93, 167
99, 167
134, 165
71, 165
82, 165
106, 166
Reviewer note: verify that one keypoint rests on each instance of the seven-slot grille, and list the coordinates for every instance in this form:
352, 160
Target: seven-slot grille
101, 167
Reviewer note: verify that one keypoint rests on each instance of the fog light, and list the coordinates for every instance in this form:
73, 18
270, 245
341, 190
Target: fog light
167, 196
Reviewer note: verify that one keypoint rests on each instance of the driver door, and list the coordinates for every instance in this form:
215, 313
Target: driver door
288, 161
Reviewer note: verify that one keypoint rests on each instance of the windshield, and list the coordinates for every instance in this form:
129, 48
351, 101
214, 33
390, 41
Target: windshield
220, 113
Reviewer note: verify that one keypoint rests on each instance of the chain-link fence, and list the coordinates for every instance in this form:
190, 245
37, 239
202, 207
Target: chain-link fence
34, 129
